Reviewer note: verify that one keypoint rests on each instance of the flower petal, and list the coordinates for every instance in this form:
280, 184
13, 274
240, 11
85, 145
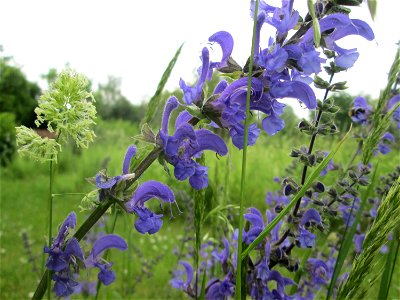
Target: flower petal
106, 242
225, 40
297, 90
209, 141
148, 190
171, 104
130, 152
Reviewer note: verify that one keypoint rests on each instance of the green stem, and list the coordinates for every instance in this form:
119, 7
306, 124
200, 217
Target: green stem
239, 274
50, 220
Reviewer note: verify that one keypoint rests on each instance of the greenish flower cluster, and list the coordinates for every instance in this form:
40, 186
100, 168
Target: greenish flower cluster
33, 145
67, 109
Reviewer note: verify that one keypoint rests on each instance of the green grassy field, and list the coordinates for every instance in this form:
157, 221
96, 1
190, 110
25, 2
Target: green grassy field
24, 188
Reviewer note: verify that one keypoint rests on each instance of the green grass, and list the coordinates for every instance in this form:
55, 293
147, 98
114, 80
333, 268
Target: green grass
24, 187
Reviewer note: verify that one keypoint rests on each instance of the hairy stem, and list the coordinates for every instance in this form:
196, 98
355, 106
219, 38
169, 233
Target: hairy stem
310, 148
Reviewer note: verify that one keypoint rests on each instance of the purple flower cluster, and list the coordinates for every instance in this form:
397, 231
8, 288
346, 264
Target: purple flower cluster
65, 254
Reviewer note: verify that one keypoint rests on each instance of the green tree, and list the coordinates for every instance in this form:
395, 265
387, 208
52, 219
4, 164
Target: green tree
17, 94
111, 104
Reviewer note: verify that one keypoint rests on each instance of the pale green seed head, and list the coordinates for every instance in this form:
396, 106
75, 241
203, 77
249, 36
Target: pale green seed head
68, 108
34, 146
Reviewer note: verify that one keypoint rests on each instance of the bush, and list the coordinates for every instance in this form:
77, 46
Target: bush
7, 138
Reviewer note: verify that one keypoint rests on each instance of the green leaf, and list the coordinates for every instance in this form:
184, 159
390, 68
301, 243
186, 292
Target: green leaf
156, 100
203, 286
372, 4
300, 194
348, 238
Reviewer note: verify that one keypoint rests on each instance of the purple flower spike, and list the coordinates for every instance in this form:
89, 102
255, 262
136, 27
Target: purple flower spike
311, 216
225, 40
130, 152
148, 190
193, 94
60, 258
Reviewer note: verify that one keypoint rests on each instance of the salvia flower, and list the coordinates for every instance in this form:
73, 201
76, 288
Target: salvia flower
106, 276
147, 220
360, 111
396, 114
60, 254
185, 144
178, 281
103, 182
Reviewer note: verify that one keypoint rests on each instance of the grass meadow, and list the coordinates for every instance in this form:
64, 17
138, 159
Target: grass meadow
24, 188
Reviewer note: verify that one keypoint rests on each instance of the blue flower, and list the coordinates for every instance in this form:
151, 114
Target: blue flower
383, 145
106, 276
187, 143
360, 111
217, 289
61, 254
103, 182
320, 272
396, 114
305, 238
178, 282
147, 220
342, 26
64, 285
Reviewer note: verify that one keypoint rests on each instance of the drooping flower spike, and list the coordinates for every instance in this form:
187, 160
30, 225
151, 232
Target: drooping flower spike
103, 182
106, 276
147, 220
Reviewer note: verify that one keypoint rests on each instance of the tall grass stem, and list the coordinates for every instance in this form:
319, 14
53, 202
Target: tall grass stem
239, 277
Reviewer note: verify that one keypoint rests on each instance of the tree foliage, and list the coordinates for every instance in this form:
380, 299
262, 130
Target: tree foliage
17, 94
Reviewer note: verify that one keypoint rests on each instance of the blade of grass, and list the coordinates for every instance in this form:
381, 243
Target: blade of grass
203, 286
156, 101
314, 175
239, 275
389, 266
348, 237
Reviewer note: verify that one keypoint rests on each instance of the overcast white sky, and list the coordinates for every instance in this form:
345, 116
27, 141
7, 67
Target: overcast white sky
135, 40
